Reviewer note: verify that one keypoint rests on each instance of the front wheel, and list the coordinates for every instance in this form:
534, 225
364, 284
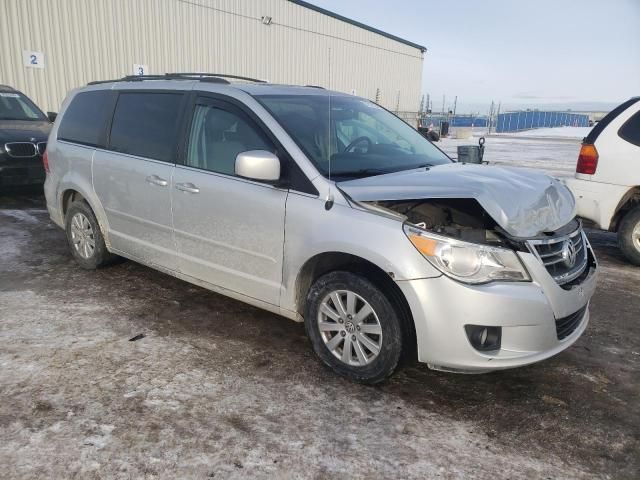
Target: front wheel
353, 327
629, 235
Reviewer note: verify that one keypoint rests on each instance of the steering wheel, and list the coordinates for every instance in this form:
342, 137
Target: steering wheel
359, 140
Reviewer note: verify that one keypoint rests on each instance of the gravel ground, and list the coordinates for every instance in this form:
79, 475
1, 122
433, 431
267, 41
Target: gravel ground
218, 389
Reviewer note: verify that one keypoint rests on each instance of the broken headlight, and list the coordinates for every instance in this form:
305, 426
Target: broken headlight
467, 262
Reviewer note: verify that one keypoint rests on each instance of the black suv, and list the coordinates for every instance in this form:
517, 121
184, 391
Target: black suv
24, 129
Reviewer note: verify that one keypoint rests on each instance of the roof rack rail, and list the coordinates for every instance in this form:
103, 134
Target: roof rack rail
213, 75
315, 86
203, 77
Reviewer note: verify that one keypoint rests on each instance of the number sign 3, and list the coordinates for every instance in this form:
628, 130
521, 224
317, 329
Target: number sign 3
140, 69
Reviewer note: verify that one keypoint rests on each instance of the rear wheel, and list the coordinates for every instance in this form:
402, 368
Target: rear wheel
629, 235
353, 327
85, 237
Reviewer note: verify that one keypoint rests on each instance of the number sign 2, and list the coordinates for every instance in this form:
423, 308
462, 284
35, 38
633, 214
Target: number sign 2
33, 59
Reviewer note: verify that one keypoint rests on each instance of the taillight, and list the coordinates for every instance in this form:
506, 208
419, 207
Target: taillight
587, 160
45, 161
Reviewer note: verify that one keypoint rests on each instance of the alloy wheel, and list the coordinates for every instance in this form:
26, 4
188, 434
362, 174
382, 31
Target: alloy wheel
635, 236
350, 328
82, 236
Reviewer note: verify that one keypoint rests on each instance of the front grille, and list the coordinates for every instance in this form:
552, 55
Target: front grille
565, 258
567, 325
21, 149
42, 146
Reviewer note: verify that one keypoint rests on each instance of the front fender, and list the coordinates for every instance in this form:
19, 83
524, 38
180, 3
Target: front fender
311, 229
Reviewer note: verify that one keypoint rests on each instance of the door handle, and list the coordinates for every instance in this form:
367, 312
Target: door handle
187, 187
156, 180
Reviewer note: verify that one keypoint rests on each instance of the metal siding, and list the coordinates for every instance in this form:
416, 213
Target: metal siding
102, 39
515, 121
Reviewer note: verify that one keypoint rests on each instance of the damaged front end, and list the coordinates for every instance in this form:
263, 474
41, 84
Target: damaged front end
471, 221
459, 238
464, 242
459, 218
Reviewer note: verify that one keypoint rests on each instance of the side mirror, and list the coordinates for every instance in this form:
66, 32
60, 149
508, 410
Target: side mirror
258, 165
52, 116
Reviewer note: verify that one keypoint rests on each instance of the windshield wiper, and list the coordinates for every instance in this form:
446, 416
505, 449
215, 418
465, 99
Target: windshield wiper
363, 172
424, 165
20, 119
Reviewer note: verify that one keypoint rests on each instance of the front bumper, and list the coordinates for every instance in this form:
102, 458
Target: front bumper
17, 172
526, 311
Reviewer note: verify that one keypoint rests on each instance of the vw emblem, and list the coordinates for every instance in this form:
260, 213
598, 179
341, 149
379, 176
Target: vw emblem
569, 253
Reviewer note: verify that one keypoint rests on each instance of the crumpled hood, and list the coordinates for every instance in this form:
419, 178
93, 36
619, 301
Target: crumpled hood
523, 202
24, 131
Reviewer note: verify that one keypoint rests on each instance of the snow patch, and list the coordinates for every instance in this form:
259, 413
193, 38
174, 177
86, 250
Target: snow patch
23, 215
556, 132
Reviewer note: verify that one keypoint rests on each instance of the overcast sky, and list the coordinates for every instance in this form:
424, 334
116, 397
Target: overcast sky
521, 52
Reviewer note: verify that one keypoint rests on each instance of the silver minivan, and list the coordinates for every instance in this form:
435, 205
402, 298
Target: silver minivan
324, 208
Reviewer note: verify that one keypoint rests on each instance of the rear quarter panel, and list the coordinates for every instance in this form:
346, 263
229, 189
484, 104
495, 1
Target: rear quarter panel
619, 160
71, 168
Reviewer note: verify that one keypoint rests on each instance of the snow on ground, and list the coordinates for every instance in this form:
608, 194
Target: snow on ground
219, 389
556, 156
556, 132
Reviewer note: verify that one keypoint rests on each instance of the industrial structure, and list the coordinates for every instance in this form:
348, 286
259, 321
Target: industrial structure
49, 47
528, 119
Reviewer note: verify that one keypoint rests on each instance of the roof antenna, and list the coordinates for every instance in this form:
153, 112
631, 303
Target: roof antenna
328, 204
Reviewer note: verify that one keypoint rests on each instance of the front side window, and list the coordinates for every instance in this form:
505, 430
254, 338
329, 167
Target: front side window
348, 137
217, 136
146, 125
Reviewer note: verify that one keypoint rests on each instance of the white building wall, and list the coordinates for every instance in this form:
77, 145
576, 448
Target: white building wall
85, 40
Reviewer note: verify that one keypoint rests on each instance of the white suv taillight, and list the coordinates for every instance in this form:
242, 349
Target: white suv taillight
587, 160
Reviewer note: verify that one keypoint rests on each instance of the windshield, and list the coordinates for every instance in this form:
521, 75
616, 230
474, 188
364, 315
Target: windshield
349, 137
15, 106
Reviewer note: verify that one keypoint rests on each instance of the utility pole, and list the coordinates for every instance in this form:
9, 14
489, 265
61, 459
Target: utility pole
498, 115
443, 98
455, 104
490, 116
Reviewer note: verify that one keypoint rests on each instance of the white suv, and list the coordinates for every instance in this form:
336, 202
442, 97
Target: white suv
607, 180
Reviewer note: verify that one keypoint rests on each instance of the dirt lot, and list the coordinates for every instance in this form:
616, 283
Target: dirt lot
217, 389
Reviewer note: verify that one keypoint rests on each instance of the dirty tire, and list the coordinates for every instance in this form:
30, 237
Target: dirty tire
387, 359
100, 256
630, 247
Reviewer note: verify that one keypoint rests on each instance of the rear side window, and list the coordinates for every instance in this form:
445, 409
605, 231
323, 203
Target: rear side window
607, 119
85, 120
630, 131
146, 125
